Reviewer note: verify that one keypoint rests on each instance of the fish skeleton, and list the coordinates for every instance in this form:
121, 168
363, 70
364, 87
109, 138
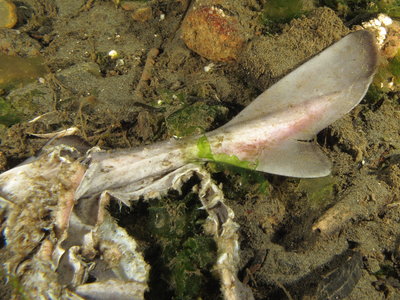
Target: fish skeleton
273, 133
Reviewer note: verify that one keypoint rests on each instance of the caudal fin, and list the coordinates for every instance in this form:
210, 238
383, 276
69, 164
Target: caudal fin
340, 75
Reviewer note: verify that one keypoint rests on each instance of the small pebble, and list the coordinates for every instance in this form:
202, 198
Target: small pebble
131, 5
209, 67
8, 14
142, 14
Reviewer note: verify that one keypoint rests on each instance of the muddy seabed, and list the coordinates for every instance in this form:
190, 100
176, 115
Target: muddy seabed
281, 254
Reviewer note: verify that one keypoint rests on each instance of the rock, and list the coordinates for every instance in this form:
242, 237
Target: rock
142, 14
8, 14
213, 34
16, 71
16, 43
131, 5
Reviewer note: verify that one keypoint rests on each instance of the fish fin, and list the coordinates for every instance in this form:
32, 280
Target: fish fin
347, 66
295, 159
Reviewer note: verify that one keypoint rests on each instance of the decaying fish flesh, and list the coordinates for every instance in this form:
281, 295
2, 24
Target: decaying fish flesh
272, 133
60, 233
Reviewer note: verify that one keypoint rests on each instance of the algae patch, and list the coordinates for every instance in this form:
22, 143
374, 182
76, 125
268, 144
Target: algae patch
185, 250
319, 191
170, 232
277, 12
8, 115
194, 119
16, 71
353, 8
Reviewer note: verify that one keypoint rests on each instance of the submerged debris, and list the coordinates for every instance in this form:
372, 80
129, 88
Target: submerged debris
56, 242
66, 245
72, 233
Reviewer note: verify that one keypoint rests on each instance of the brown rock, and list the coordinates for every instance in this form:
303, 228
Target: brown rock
8, 14
130, 5
212, 33
142, 14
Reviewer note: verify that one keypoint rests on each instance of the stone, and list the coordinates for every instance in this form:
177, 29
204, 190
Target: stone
213, 34
142, 14
8, 14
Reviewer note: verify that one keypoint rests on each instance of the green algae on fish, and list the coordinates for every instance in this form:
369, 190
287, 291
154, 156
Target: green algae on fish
205, 152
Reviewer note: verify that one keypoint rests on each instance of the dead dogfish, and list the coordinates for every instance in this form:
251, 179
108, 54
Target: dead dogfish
273, 133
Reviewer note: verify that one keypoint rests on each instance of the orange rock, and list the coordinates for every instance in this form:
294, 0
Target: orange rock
8, 14
213, 34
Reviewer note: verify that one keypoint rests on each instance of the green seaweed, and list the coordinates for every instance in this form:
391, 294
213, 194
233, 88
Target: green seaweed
386, 270
242, 180
386, 79
194, 256
319, 191
8, 115
374, 94
170, 231
276, 12
350, 9
186, 253
17, 71
28, 101
194, 119
394, 66
204, 148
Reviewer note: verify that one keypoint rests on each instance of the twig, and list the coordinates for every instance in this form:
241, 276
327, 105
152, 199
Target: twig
357, 204
146, 74
88, 5
57, 134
